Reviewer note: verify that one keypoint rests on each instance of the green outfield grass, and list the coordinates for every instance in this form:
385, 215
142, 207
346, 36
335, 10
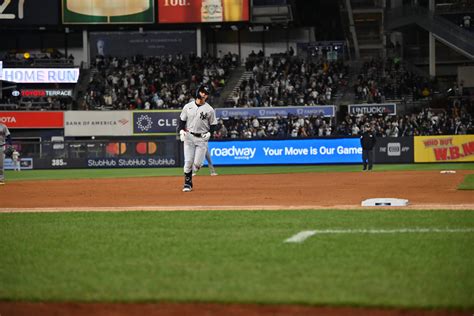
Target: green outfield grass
239, 256
154, 172
468, 183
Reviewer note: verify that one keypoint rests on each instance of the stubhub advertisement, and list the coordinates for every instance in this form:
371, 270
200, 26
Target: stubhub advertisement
267, 152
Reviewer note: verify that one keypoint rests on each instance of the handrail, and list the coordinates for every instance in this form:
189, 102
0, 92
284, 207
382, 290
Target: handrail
439, 26
35, 62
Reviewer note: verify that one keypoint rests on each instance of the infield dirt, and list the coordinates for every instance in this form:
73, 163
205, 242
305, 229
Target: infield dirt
423, 189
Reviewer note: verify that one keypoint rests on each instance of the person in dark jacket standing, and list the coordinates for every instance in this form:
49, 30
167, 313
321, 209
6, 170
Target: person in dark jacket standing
367, 141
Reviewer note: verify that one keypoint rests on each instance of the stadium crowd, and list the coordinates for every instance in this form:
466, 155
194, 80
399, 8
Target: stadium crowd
284, 79
456, 119
387, 79
145, 83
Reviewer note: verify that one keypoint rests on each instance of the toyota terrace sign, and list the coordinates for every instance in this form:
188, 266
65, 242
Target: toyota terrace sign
39, 93
39, 75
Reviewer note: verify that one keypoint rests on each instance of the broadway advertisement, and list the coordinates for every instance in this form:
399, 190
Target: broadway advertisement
285, 152
155, 122
394, 150
455, 148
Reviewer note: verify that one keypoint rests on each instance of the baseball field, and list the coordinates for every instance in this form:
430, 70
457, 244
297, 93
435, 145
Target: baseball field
251, 241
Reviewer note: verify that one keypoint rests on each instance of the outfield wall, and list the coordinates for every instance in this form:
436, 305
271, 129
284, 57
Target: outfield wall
168, 152
121, 139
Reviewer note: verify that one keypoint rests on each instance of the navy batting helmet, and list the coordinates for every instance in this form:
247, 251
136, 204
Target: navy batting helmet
202, 88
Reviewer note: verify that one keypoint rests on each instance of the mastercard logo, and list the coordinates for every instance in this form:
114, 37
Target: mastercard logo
144, 148
116, 149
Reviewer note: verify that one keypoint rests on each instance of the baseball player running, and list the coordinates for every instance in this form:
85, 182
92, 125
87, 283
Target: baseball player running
4, 139
197, 122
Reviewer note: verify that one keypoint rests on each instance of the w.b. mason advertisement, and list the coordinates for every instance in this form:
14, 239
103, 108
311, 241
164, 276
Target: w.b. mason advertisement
108, 12
444, 148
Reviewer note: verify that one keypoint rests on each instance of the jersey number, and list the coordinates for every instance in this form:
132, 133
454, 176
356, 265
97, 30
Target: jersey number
10, 16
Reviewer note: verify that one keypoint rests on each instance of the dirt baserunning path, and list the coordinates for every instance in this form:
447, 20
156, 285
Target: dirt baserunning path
423, 189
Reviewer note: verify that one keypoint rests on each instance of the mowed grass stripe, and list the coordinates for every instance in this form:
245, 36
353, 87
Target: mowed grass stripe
468, 183
238, 257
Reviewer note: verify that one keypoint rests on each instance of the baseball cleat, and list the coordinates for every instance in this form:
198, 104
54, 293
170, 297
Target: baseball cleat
187, 188
214, 173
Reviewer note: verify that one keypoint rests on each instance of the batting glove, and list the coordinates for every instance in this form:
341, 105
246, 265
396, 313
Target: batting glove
206, 136
182, 135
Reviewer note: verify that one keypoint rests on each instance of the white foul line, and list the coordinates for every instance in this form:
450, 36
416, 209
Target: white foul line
303, 235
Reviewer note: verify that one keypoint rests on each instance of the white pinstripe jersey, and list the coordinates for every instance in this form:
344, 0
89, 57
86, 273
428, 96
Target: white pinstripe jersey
199, 118
4, 132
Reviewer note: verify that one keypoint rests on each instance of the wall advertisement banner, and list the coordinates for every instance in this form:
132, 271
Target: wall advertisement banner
97, 123
202, 11
101, 163
32, 119
155, 122
274, 152
130, 162
373, 108
272, 112
108, 12
455, 148
25, 164
394, 150
149, 43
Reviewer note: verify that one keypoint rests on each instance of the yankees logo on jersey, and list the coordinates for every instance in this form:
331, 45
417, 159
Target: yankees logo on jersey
198, 118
